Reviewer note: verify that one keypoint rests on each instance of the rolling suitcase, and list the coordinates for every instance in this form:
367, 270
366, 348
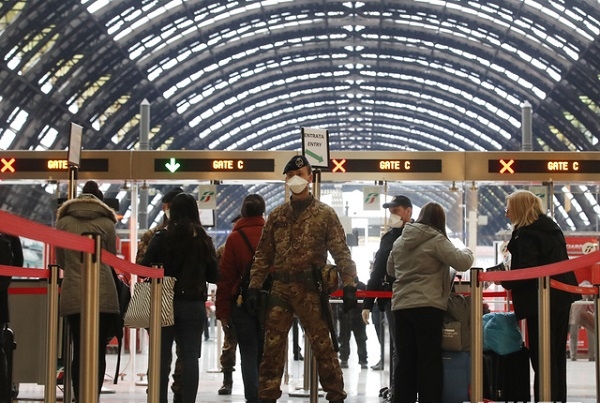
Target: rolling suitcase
457, 376
506, 377
7, 345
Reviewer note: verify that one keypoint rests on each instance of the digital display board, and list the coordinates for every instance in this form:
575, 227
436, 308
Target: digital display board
508, 166
386, 165
213, 165
13, 165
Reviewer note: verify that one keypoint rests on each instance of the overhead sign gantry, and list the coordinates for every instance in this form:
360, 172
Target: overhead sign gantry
268, 166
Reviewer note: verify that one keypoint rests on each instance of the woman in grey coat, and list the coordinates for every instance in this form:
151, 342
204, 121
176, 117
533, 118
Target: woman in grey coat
420, 261
87, 213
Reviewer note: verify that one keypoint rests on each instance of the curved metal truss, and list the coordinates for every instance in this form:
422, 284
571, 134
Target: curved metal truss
229, 75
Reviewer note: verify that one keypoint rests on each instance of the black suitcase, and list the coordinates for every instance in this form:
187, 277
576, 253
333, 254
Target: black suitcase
7, 346
506, 378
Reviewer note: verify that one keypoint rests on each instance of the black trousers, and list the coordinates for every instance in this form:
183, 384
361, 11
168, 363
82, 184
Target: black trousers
419, 368
559, 328
104, 336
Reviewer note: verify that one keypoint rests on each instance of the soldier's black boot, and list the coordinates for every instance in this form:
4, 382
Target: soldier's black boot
227, 383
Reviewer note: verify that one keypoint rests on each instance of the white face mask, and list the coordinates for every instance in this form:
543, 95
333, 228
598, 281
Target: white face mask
395, 221
297, 184
168, 213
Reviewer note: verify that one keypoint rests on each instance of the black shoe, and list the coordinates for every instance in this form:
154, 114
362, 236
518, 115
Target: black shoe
225, 389
298, 357
363, 365
343, 364
378, 366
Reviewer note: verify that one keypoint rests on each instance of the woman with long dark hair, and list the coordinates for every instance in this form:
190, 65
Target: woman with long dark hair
188, 254
420, 261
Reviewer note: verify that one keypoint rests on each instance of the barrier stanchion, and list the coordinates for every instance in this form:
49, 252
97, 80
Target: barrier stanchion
544, 336
52, 335
155, 333
90, 323
67, 358
476, 337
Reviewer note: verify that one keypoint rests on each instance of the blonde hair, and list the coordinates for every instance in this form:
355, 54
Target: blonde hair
525, 208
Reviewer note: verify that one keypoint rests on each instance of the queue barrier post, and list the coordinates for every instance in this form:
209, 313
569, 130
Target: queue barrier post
90, 322
544, 339
155, 335
67, 358
476, 337
52, 335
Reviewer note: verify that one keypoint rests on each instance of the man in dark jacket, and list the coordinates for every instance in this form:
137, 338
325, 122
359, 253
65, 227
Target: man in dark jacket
400, 213
16, 260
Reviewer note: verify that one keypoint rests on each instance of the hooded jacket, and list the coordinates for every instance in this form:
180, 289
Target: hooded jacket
533, 245
420, 261
86, 214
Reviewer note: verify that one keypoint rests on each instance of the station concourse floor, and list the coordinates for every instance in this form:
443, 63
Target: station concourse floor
362, 385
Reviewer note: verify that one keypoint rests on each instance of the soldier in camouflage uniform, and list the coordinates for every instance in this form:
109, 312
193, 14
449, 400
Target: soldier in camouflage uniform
297, 235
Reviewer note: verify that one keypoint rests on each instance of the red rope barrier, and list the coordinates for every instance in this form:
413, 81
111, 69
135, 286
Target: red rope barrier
18, 226
15, 271
574, 289
542, 271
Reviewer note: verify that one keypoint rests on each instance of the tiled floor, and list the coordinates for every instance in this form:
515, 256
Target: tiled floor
362, 386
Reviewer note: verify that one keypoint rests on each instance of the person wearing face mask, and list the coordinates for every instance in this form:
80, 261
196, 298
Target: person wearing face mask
296, 238
400, 209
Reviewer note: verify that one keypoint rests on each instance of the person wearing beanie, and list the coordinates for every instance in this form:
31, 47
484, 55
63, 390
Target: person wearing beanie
230, 310
91, 187
84, 214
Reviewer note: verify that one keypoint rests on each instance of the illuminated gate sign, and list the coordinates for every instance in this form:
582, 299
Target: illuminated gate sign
213, 165
387, 165
508, 166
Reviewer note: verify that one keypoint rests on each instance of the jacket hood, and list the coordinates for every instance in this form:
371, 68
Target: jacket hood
86, 206
414, 234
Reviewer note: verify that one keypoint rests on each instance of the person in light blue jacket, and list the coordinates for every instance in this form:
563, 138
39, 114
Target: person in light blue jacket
420, 261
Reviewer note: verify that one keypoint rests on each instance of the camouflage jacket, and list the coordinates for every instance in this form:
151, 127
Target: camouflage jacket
292, 245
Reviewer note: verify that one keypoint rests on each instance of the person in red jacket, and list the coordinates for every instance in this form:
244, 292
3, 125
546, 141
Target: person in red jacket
235, 260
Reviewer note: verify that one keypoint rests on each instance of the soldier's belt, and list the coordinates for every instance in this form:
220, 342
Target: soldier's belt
304, 276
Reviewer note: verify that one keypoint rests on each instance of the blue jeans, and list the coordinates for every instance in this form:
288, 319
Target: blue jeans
250, 342
187, 333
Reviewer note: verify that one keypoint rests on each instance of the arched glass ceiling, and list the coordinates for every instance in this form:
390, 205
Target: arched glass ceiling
380, 75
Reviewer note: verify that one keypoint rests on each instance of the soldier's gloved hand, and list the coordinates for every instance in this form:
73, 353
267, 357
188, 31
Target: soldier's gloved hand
365, 316
349, 300
252, 300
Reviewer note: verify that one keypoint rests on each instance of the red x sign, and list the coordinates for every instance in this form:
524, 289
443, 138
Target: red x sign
339, 166
506, 167
7, 165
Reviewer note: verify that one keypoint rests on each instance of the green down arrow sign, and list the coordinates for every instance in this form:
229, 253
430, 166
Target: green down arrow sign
173, 165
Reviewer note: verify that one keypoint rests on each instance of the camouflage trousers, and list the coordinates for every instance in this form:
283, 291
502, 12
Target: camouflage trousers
288, 299
227, 359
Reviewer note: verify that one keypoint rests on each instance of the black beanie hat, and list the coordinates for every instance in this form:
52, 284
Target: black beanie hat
170, 195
